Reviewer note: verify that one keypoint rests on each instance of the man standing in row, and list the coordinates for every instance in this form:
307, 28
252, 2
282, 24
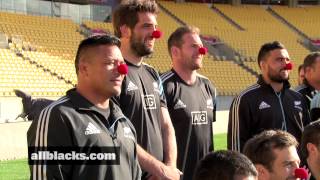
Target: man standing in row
142, 98
269, 104
311, 82
191, 99
86, 119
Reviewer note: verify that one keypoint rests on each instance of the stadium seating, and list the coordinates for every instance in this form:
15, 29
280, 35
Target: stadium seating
107, 27
45, 34
227, 77
51, 43
259, 27
17, 73
189, 13
52, 49
48, 42
304, 18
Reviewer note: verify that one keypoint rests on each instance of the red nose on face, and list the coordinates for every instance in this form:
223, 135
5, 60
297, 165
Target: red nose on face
289, 66
301, 173
203, 50
156, 34
123, 69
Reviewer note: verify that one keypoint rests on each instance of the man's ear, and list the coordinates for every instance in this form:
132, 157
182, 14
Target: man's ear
125, 31
262, 63
83, 67
311, 148
263, 172
175, 51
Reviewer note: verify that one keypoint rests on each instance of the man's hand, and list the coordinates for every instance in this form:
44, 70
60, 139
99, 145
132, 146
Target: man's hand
170, 173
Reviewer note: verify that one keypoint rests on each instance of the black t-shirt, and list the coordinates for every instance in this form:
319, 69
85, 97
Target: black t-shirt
192, 110
140, 100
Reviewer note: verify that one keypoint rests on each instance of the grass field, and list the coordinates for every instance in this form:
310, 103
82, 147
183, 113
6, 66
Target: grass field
220, 141
19, 170
14, 170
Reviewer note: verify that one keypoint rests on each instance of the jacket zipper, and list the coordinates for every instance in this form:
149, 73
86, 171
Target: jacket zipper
284, 123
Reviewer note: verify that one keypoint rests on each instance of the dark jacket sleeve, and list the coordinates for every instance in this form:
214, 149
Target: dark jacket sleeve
50, 129
136, 167
315, 114
37, 105
239, 124
306, 119
214, 102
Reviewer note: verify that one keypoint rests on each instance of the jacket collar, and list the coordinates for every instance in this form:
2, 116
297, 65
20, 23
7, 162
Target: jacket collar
81, 103
310, 90
307, 85
261, 81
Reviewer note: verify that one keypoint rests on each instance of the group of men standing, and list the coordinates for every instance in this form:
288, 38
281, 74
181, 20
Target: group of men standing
144, 114
161, 124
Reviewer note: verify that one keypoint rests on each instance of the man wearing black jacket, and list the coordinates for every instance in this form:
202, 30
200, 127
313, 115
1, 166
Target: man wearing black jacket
268, 104
311, 82
86, 121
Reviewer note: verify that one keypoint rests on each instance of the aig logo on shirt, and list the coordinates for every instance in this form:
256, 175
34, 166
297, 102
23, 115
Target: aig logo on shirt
149, 101
199, 117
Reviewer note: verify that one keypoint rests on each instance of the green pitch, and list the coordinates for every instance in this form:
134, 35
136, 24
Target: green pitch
19, 169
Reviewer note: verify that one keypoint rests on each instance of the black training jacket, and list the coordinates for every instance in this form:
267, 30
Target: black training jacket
72, 121
260, 108
307, 91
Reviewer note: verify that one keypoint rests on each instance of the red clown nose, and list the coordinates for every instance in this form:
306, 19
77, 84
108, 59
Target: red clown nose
301, 173
156, 34
123, 69
289, 66
203, 50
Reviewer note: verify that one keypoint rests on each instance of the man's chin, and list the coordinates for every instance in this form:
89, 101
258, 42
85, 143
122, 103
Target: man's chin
147, 54
291, 178
279, 80
116, 91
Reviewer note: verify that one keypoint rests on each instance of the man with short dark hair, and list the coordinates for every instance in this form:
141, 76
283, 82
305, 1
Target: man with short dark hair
311, 83
269, 104
190, 99
310, 146
86, 119
274, 154
226, 165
